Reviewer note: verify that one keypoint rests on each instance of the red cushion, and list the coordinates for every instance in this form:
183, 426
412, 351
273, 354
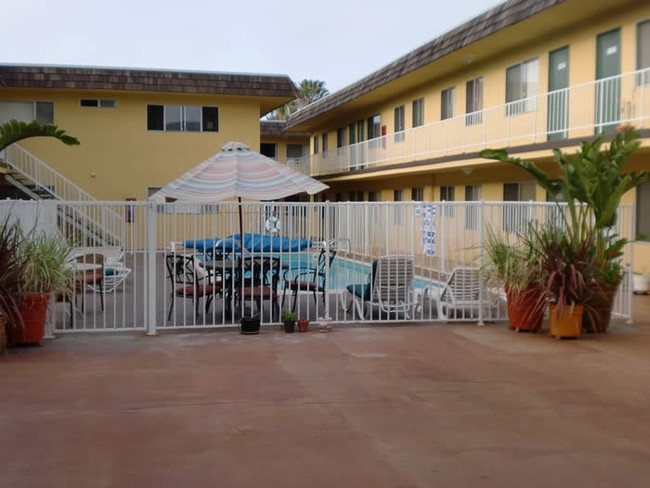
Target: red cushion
306, 285
197, 290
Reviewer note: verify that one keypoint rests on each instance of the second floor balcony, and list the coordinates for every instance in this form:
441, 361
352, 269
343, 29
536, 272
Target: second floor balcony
579, 111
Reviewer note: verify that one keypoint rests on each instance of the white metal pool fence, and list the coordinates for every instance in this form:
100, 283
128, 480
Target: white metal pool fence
442, 237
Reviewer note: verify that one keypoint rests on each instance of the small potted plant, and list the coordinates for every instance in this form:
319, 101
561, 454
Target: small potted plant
250, 325
45, 270
289, 320
303, 325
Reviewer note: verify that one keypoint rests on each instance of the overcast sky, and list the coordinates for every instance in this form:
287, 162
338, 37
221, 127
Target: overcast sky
338, 41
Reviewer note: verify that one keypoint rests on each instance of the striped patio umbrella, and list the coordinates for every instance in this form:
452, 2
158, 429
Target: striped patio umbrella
237, 171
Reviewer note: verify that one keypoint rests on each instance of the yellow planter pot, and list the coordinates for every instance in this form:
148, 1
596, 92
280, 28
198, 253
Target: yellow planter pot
568, 324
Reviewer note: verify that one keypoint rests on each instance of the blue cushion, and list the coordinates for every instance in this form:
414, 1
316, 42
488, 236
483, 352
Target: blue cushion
264, 243
360, 290
201, 245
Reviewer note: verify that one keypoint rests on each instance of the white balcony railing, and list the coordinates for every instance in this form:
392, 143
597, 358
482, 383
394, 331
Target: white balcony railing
579, 111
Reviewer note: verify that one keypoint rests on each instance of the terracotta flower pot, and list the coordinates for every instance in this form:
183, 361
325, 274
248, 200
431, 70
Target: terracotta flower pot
303, 325
524, 310
598, 308
33, 308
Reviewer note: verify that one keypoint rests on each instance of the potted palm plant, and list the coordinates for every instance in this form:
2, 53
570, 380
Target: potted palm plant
44, 271
592, 182
516, 266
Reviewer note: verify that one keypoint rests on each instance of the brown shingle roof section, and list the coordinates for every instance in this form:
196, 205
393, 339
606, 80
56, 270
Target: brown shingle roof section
16, 76
492, 21
277, 128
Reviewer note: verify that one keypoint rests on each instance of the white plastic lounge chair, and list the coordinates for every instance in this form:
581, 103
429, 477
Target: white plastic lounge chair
388, 288
460, 293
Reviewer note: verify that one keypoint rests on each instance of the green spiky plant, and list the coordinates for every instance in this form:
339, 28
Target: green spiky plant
14, 131
45, 257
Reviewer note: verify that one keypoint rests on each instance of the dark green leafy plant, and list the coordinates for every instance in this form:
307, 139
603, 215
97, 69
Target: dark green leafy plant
569, 264
12, 266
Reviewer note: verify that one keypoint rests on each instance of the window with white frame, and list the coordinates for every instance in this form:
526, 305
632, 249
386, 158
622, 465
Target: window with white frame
418, 112
472, 194
399, 123
474, 101
360, 133
516, 217
352, 139
643, 52
294, 152
27, 111
522, 84
447, 103
398, 218
417, 194
643, 211
340, 137
447, 194
182, 118
100, 103
374, 127
324, 140
316, 144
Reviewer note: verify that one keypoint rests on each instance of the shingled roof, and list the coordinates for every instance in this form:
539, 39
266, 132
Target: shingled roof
480, 27
85, 78
277, 128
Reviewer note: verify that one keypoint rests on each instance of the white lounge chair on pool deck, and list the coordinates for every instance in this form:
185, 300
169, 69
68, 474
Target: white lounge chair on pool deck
388, 288
460, 293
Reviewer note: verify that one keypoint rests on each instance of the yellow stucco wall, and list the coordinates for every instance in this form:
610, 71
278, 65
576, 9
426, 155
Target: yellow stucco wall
118, 157
581, 41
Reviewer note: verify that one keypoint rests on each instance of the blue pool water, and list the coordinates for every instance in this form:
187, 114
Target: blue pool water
343, 271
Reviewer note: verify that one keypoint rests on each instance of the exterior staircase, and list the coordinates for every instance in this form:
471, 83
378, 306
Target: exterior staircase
83, 219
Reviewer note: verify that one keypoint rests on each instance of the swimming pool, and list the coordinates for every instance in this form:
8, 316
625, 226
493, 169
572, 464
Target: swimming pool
344, 272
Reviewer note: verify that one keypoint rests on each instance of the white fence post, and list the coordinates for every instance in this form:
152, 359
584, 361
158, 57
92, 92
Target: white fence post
150, 282
328, 237
481, 290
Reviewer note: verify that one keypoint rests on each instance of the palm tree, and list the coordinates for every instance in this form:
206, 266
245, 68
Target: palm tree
308, 92
14, 131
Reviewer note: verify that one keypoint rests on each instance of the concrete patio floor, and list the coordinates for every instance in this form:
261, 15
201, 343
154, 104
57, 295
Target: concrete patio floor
384, 406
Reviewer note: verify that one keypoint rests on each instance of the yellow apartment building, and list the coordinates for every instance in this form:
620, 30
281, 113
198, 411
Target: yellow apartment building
139, 129
528, 75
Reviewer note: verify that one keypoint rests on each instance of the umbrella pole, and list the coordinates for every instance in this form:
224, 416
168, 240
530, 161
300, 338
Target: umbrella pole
241, 232
241, 246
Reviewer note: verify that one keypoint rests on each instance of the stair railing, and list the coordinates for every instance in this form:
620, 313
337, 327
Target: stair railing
23, 162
